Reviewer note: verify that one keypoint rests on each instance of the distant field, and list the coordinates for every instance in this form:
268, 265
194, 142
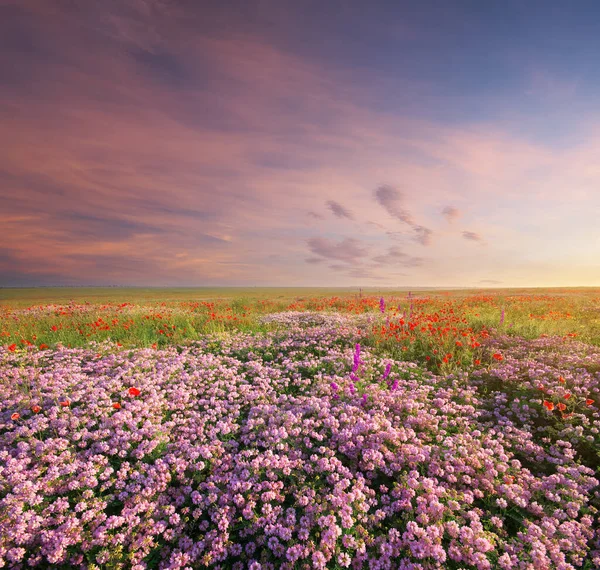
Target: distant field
59, 295
153, 316
46, 295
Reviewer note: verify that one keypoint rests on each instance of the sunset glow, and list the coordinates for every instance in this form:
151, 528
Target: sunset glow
392, 144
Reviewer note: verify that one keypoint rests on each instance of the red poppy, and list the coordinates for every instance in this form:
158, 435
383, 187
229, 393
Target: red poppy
65, 403
561, 379
15, 417
548, 405
567, 396
36, 409
12, 347
154, 345
498, 357
43, 346
561, 406
589, 402
116, 405
134, 392
477, 362
54, 328
458, 343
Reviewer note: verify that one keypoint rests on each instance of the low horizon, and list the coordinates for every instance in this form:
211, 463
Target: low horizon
356, 288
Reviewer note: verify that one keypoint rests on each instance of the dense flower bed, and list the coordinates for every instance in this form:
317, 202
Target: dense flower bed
293, 449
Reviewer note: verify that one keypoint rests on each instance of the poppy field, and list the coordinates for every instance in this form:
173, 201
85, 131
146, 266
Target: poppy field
421, 430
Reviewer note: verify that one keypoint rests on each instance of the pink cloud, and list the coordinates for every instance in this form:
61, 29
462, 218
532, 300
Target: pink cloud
450, 213
339, 210
391, 199
349, 250
473, 236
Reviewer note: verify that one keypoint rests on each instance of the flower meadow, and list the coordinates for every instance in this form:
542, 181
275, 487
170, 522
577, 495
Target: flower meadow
319, 439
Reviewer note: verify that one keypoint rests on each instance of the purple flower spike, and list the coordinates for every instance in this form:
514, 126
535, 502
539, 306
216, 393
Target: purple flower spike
364, 400
387, 370
356, 358
334, 386
502, 317
394, 385
382, 305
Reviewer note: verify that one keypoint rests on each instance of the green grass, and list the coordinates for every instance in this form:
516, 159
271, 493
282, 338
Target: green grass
184, 315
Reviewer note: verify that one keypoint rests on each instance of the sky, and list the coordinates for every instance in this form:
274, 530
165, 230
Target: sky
299, 143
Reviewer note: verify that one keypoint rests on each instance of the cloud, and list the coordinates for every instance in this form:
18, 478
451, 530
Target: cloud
490, 281
339, 210
422, 235
391, 199
450, 213
395, 256
314, 260
473, 236
398, 236
314, 215
348, 250
338, 267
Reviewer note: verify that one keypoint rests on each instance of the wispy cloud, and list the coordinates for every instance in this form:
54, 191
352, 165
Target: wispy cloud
450, 213
422, 235
339, 210
396, 257
473, 236
391, 199
349, 250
